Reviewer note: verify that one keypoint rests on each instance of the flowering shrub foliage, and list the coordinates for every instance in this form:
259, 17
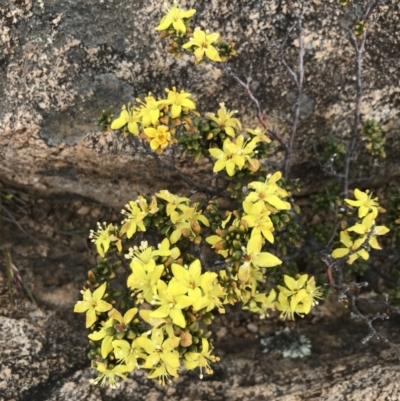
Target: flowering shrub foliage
157, 320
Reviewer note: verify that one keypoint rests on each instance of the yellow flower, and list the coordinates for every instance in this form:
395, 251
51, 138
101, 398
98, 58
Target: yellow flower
145, 272
106, 336
200, 359
257, 216
368, 229
364, 203
204, 43
149, 111
291, 305
186, 277
232, 154
298, 297
171, 301
257, 258
313, 291
163, 373
350, 247
177, 100
186, 222
293, 286
161, 137
128, 353
225, 120
174, 17
269, 193
129, 117
135, 213
165, 324
174, 201
213, 293
103, 237
109, 374
123, 321
259, 303
162, 357
92, 303
249, 276
164, 250
259, 134
145, 281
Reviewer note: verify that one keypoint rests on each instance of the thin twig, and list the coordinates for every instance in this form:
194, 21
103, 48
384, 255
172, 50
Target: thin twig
298, 79
246, 86
197, 188
359, 47
19, 226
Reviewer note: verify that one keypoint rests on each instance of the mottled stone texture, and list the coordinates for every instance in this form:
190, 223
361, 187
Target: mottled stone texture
43, 350
43, 358
62, 61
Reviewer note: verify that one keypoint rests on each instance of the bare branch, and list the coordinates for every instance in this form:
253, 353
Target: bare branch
246, 86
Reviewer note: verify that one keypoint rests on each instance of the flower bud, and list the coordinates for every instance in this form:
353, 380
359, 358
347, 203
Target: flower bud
221, 245
120, 335
195, 226
186, 232
92, 354
237, 255
194, 326
186, 339
207, 318
91, 277
131, 335
236, 244
111, 331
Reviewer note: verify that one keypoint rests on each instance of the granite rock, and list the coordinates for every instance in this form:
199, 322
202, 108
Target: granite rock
62, 62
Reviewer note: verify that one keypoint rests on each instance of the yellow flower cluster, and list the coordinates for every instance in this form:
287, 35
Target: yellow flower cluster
264, 199
225, 120
239, 153
201, 43
360, 237
103, 237
176, 296
156, 120
176, 17
204, 45
168, 299
185, 219
158, 321
135, 214
254, 227
297, 297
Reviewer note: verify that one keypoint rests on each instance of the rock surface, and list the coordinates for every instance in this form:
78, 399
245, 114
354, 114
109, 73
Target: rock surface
62, 62
43, 358
43, 348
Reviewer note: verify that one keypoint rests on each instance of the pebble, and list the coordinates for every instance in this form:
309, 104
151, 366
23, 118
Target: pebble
221, 333
95, 212
83, 211
252, 327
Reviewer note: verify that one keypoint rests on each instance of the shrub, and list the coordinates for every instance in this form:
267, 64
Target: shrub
239, 240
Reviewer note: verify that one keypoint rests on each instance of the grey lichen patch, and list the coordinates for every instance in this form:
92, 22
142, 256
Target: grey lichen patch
72, 124
11, 13
291, 343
